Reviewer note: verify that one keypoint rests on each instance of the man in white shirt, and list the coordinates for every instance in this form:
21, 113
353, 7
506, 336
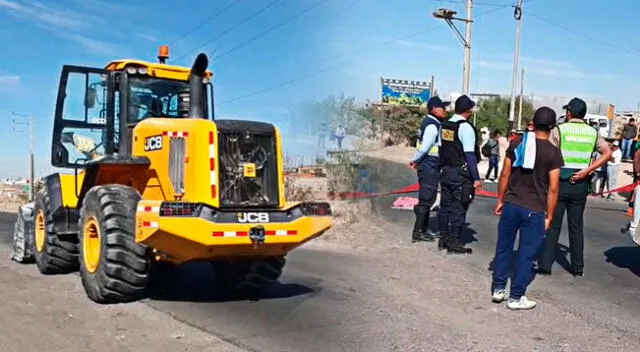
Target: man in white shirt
613, 165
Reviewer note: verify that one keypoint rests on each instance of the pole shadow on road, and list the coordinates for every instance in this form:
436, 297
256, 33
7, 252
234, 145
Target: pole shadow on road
625, 257
196, 282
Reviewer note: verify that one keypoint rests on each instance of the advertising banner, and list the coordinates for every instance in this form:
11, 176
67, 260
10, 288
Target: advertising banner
405, 92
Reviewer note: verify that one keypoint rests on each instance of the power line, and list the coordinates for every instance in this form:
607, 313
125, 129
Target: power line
463, 2
278, 25
540, 18
207, 20
246, 19
318, 72
281, 84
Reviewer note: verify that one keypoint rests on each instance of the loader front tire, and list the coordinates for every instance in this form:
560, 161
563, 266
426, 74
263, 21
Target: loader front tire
250, 276
52, 254
113, 267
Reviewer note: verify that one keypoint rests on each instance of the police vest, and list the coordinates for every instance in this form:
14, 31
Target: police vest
431, 158
577, 143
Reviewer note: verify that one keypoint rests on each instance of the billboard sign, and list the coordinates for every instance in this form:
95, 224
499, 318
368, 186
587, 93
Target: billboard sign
405, 92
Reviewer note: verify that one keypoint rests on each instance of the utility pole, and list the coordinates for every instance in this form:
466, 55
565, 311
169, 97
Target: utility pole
432, 91
32, 147
467, 49
448, 16
521, 99
517, 15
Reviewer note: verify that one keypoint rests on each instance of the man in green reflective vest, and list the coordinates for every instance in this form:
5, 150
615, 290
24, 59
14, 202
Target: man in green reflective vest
577, 140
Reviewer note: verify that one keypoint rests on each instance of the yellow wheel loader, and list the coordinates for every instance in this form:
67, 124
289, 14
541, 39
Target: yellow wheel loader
156, 178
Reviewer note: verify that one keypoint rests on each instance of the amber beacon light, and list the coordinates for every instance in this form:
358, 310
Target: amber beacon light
163, 53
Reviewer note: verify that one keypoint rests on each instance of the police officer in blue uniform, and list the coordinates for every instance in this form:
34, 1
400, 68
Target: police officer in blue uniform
459, 178
427, 162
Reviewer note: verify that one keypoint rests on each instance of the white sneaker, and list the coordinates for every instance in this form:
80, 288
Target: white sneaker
498, 296
521, 304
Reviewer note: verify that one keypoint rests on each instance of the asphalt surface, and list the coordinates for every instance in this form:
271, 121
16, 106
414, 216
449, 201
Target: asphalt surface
612, 260
336, 300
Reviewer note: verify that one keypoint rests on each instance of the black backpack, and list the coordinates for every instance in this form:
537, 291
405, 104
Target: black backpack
486, 149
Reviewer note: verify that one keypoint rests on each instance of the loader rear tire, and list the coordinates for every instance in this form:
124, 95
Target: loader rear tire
113, 267
251, 276
52, 254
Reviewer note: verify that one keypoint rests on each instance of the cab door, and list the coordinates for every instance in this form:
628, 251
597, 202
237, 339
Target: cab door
83, 127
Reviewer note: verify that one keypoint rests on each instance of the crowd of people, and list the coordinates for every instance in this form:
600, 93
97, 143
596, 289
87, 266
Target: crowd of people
546, 172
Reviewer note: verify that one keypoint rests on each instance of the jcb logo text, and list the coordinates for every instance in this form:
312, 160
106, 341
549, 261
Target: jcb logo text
253, 217
153, 143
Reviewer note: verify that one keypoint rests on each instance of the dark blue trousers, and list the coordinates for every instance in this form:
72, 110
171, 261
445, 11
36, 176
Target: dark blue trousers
532, 233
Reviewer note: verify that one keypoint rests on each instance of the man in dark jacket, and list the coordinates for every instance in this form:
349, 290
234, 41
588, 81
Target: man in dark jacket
426, 160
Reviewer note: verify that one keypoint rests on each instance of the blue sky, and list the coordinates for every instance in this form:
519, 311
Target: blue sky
339, 35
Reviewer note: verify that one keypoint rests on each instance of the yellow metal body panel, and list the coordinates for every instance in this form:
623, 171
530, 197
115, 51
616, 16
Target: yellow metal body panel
199, 153
184, 239
155, 69
68, 188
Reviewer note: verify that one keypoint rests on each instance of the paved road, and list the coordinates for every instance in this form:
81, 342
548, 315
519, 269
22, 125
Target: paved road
336, 300
612, 260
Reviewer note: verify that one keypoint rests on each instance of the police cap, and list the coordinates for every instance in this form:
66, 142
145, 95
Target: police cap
436, 102
464, 104
577, 107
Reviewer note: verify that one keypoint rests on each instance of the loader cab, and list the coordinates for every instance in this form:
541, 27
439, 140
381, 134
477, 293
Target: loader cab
97, 109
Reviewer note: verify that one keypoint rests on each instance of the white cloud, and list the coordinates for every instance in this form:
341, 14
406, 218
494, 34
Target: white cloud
543, 67
91, 45
9, 80
438, 48
57, 16
146, 37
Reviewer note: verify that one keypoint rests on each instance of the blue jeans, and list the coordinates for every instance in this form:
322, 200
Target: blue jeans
532, 235
626, 148
493, 166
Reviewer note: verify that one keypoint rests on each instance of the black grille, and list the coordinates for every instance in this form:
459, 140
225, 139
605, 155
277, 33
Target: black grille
252, 144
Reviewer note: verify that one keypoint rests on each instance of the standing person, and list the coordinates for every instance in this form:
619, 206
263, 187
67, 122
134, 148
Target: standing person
613, 165
599, 175
576, 140
340, 133
459, 178
527, 197
322, 134
427, 161
494, 155
629, 134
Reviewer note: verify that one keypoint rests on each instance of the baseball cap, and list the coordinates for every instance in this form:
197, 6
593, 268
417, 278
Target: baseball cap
616, 143
436, 102
544, 116
577, 107
464, 104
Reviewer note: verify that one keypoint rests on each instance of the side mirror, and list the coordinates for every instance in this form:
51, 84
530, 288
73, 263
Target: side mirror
90, 98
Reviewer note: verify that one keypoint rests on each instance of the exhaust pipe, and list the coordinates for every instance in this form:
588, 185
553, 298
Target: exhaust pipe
196, 90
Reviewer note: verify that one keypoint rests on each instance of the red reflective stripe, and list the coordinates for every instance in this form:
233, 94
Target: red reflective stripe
212, 164
210, 137
213, 191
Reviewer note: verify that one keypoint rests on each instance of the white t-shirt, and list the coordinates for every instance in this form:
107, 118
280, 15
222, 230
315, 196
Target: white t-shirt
616, 157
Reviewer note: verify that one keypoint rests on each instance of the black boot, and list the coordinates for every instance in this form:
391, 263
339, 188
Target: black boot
442, 241
455, 246
420, 224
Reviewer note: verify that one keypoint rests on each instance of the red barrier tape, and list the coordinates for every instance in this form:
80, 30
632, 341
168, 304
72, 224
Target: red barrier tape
415, 187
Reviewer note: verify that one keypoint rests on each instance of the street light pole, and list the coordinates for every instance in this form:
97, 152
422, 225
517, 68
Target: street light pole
448, 16
517, 14
32, 148
521, 99
467, 50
